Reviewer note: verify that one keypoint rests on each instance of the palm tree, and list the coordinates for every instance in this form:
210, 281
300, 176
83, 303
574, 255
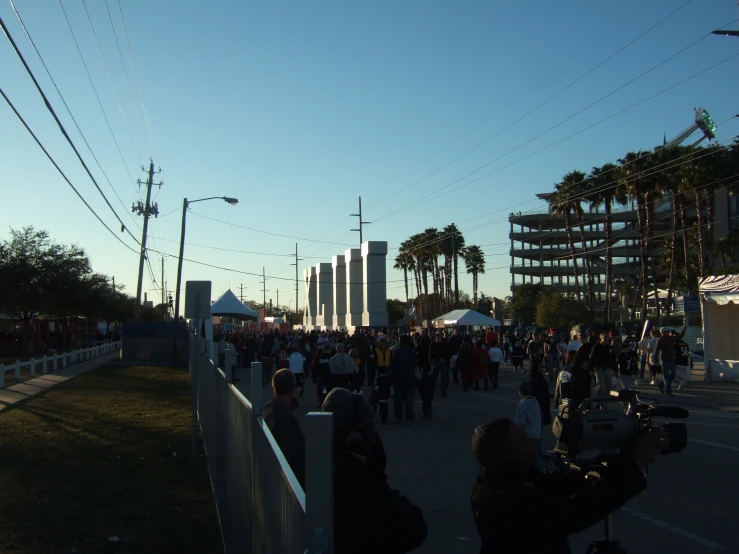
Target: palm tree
474, 259
452, 247
606, 193
637, 184
404, 261
560, 204
432, 249
574, 185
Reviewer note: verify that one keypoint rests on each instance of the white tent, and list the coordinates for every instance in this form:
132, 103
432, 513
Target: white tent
230, 306
466, 317
720, 310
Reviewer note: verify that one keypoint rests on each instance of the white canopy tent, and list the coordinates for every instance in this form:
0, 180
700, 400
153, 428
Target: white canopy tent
469, 318
720, 310
230, 306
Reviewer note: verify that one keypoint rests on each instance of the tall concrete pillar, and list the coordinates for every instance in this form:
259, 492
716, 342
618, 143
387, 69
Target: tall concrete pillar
374, 289
325, 296
354, 297
309, 277
338, 264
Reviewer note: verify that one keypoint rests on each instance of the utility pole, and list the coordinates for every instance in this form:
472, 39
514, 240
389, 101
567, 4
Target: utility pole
264, 293
241, 295
296, 278
361, 222
146, 210
455, 268
163, 291
113, 284
278, 301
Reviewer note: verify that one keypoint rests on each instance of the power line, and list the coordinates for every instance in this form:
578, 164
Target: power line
18, 115
531, 111
266, 232
439, 192
110, 79
125, 72
240, 251
59, 123
612, 184
97, 96
136, 76
69, 111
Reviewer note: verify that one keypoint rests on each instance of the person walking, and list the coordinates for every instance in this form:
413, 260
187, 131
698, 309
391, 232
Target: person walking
603, 361
528, 416
296, 364
551, 351
341, 367
278, 415
320, 372
535, 352
439, 357
383, 392
464, 362
480, 363
403, 375
496, 357
666, 348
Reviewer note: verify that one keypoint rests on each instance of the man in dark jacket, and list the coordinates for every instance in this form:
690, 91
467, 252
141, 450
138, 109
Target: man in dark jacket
369, 517
510, 493
403, 374
278, 416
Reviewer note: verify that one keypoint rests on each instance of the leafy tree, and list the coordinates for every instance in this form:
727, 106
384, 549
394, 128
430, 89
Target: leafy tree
556, 310
395, 310
524, 301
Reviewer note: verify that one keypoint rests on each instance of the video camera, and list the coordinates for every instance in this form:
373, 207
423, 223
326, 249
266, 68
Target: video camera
592, 433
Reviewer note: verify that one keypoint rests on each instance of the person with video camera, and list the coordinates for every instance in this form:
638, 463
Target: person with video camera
510, 494
369, 516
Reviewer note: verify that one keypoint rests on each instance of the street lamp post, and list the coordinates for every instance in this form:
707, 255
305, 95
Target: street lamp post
176, 316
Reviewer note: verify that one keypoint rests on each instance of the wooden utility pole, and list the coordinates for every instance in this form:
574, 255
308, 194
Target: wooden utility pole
146, 210
362, 223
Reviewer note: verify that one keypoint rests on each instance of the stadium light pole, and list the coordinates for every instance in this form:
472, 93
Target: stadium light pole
186, 204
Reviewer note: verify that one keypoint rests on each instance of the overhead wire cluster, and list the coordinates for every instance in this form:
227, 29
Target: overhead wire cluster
320, 242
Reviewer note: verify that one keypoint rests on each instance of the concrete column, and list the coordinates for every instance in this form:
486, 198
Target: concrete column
325, 295
338, 264
354, 296
375, 283
309, 277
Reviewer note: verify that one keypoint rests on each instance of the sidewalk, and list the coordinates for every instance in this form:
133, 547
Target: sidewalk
35, 386
713, 395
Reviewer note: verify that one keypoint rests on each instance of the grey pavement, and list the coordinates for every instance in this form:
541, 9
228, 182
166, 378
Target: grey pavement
689, 506
37, 385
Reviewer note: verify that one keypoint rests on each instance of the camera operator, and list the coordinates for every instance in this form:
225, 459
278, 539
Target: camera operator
510, 494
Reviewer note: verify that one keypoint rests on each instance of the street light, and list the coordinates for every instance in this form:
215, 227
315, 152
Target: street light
176, 316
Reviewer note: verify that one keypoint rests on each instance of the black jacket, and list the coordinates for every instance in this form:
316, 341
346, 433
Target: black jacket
535, 513
370, 517
286, 430
403, 366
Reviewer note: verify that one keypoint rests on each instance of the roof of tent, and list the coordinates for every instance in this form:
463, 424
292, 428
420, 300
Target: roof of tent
230, 306
719, 284
468, 317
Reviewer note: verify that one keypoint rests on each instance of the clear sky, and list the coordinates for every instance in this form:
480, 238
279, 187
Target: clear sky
297, 108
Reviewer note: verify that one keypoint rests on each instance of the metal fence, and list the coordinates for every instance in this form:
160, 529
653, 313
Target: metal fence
261, 506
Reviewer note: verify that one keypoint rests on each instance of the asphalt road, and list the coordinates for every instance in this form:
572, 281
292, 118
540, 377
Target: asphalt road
690, 505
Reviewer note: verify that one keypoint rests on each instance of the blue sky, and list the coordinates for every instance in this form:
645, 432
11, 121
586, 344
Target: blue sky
297, 108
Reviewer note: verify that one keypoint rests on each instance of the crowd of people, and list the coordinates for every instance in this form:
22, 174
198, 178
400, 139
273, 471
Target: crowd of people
358, 376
